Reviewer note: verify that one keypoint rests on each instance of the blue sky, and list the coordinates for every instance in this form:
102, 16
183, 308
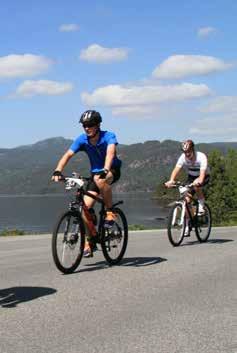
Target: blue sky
155, 70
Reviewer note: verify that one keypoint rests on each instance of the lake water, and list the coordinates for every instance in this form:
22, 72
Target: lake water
38, 213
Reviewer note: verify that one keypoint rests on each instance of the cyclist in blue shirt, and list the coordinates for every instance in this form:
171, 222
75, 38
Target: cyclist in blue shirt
100, 146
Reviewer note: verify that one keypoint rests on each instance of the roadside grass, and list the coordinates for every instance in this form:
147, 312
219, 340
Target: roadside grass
136, 227
11, 232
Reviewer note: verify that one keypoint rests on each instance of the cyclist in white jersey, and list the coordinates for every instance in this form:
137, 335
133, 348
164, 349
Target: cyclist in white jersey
196, 165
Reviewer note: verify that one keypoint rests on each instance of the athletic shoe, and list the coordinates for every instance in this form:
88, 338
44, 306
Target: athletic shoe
109, 219
89, 249
187, 231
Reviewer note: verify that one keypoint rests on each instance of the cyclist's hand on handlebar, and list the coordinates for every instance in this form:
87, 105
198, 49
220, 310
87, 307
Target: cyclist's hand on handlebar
196, 182
169, 184
57, 176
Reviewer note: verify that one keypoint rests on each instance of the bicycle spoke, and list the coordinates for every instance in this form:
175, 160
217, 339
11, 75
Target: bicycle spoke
176, 224
203, 227
114, 240
68, 243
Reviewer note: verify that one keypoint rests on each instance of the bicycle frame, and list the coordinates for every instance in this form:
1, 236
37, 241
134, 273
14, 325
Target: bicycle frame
69, 234
80, 193
185, 213
186, 206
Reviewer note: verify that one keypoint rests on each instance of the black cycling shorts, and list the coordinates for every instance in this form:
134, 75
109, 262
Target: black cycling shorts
91, 186
191, 178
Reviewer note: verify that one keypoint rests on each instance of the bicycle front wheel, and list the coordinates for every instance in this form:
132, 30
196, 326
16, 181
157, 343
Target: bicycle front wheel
68, 242
114, 241
176, 224
203, 225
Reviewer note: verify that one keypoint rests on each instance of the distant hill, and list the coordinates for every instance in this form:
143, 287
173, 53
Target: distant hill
28, 169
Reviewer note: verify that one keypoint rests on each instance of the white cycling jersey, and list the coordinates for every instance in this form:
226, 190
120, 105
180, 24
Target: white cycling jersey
193, 167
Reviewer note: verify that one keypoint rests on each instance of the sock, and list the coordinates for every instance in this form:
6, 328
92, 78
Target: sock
201, 202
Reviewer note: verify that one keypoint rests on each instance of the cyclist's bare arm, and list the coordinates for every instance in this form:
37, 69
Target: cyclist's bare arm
61, 164
110, 154
173, 176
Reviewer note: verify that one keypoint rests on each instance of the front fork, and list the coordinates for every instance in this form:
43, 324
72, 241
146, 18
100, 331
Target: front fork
181, 220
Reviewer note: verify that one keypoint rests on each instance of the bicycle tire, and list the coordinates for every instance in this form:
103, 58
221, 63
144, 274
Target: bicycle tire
71, 240
176, 226
203, 225
114, 241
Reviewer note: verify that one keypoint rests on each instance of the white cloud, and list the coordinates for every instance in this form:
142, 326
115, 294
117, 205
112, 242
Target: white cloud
42, 87
27, 65
220, 104
99, 54
179, 66
142, 100
70, 27
220, 119
206, 31
222, 127
136, 111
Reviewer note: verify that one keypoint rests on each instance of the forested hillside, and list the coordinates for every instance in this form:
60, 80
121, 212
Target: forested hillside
28, 169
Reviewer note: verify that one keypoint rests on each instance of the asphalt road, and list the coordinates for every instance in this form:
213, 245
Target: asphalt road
160, 299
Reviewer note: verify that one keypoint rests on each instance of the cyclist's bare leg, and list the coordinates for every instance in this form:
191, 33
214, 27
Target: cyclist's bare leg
89, 202
200, 195
105, 188
199, 192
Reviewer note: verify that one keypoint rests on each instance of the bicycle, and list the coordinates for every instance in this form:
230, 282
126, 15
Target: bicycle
185, 213
68, 238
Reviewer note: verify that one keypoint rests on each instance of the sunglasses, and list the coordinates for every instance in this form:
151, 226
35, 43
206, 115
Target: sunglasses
88, 125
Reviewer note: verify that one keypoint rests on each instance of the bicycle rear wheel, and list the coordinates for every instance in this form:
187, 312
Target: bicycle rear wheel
176, 224
114, 241
203, 225
68, 242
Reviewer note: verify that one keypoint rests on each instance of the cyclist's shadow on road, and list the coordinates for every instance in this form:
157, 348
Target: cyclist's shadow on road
11, 297
129, 261
142, 261
209, 241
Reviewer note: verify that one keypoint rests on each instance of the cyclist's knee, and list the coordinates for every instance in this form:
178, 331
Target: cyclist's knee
103, 183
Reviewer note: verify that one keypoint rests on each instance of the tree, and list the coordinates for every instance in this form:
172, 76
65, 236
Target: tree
221, 192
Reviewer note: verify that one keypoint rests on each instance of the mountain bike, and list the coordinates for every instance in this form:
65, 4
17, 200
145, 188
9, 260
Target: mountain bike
184, 213
68, 238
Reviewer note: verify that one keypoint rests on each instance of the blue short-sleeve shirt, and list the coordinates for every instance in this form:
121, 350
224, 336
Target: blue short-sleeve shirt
96, 153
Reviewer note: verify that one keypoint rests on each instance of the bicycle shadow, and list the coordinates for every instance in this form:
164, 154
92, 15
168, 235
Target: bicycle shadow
11, 297
129, 261
142, 261
210, 241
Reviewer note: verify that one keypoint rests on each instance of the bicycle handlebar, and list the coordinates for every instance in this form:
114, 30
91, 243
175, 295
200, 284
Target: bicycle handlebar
73, 181
176, 184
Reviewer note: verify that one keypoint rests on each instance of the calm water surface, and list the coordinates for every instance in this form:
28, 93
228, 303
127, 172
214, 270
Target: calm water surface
39, 213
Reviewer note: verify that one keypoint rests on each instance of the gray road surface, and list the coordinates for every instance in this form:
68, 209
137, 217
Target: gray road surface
160, 300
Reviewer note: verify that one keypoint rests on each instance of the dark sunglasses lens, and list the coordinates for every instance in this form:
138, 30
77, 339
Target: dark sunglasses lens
88, 125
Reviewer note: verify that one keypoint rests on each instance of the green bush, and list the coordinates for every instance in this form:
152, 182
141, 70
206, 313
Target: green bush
136, 227
11, 232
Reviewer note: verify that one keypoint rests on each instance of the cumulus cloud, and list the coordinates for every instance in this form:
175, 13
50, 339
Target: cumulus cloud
206, 31
135, 110
116, 95
99, 54
220, 119
179, 66
70, 27
42, 87
222, 104
221, 127
27, 65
